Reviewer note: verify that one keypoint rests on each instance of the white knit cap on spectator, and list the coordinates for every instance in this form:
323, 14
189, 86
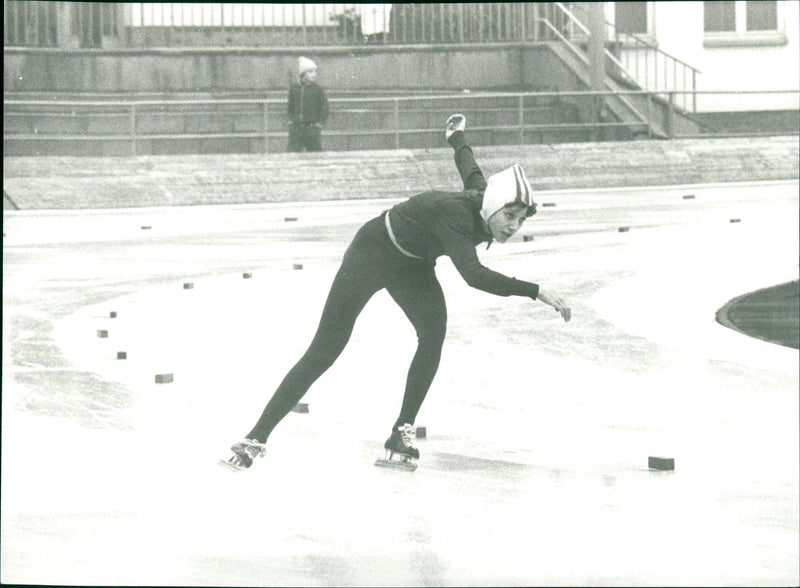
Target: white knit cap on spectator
304, 64
509, 186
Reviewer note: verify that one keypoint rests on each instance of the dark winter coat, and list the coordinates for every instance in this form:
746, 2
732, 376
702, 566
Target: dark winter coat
308, 104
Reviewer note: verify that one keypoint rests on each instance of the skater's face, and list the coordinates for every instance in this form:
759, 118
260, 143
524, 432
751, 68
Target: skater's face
310, 75
504, 223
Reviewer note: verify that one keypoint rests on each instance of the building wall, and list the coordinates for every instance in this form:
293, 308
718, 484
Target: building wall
679, 31
676, 26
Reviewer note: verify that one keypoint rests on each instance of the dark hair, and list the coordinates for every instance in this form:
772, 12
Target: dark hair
530, 210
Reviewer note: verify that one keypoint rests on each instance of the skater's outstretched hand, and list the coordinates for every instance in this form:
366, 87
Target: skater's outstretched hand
556, 302
456, 122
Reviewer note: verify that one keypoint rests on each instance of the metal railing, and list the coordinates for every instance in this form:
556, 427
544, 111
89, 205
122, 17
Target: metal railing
631, 59
396, 120
634, 60
561, 23
656, 70
185, 24
30, 24
374, 122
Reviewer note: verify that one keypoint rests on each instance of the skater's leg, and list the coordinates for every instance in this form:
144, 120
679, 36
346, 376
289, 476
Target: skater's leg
423, 303
351, 290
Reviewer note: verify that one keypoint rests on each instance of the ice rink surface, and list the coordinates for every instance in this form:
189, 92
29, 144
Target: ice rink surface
534, 471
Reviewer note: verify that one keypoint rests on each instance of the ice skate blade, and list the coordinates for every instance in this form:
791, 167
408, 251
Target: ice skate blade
233, 467
406, 466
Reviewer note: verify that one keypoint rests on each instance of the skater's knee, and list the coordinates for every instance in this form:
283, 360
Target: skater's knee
317, 360
432, 335
321, 361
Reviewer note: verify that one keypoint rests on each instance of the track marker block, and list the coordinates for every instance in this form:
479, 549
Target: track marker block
736, 220
188, 285
661, 463
247, 275
527, 238
623, 229
688, 196
297, 266
146, 227
548, 204
113, 314
102, 334
164, 378
122, 355
290, 219
421, 432
301, 407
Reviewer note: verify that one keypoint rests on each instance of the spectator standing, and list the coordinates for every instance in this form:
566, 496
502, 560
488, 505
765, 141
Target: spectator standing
308, 109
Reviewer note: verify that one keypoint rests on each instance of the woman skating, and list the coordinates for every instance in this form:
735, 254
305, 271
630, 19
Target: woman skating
397, 251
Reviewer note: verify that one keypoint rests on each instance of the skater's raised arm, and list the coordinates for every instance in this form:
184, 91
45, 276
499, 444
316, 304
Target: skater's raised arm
471, 174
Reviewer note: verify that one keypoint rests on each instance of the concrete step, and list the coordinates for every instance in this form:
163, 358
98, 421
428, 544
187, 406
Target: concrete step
113, 182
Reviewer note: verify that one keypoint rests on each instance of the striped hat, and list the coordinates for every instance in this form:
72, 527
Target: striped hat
509, 186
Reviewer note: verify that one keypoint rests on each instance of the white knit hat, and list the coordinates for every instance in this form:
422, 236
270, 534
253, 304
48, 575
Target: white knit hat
509, 186
304, 64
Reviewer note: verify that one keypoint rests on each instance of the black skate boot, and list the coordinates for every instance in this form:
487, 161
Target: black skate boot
244, 454
400, 451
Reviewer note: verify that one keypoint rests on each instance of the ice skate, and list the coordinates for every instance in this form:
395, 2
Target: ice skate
244, 454
400, 451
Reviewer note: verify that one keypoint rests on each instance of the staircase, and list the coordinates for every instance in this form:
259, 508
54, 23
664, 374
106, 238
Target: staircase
653, 89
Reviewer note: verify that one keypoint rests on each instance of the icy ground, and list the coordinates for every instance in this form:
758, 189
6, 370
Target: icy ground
535, 467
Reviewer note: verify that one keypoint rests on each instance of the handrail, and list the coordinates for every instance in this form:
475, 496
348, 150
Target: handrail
392, 99
639, 43
539, 94
577, 21
647, 46
568, 13
397, 105
611, 27
654, 47
585, 61
571, 46
262, 129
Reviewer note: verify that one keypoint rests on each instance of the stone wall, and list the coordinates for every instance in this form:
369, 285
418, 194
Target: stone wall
427, 67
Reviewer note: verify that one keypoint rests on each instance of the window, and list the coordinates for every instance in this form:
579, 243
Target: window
631, 17
719, 16
762, 16
743, 23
